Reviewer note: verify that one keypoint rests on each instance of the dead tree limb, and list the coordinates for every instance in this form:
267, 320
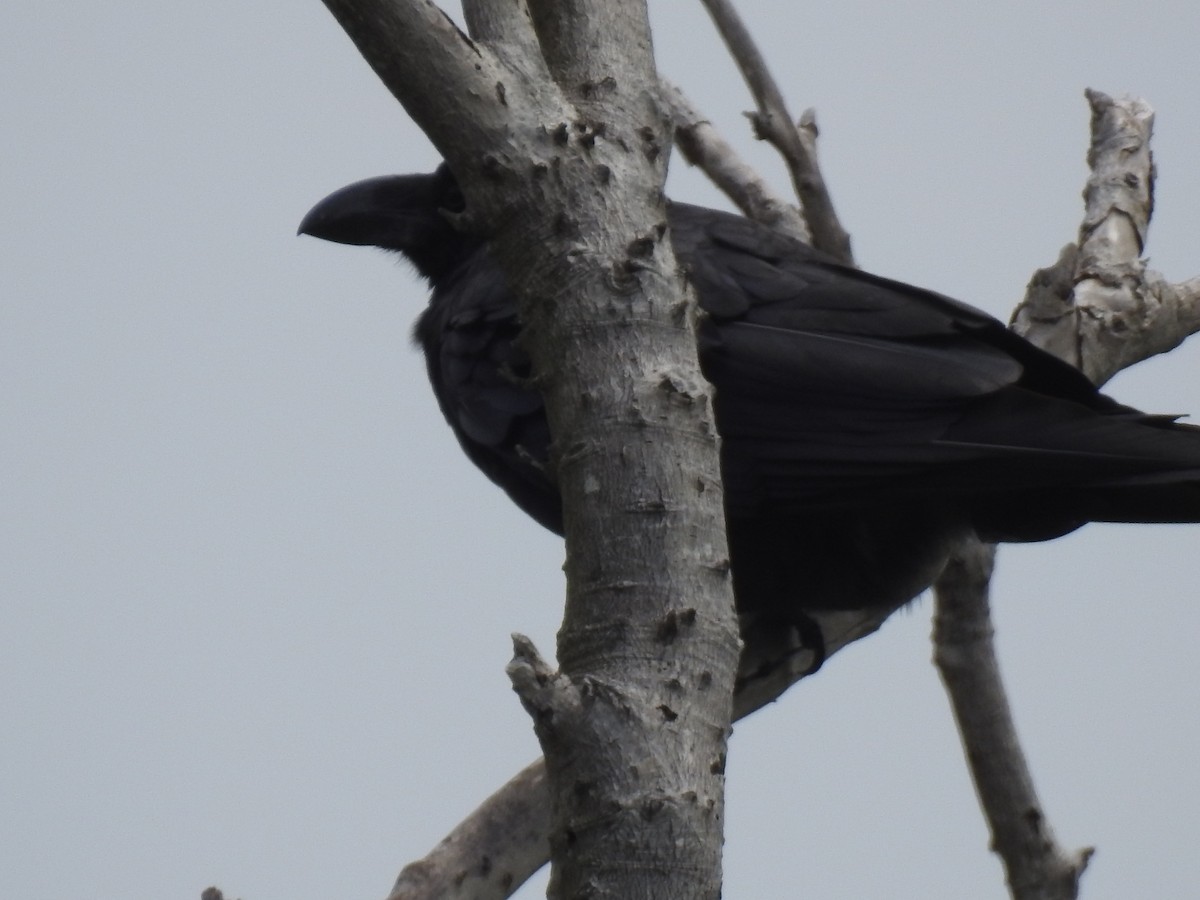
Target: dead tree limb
1100, 309
795, 141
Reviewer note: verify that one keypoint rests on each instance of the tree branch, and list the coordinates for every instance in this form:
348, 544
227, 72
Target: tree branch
703, 147
1098, 308
502, 26
1036, 866
492, 852
795, 143
503, 842
569, 33
421, 56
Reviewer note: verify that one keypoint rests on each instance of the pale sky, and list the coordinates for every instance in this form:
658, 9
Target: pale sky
254, 604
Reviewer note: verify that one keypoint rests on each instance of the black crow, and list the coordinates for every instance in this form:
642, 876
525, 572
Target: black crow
866, 425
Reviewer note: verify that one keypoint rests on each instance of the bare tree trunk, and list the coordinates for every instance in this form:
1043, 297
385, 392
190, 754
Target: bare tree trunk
549, 116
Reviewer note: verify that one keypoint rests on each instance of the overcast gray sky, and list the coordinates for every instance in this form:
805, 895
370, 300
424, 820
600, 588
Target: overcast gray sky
255, 605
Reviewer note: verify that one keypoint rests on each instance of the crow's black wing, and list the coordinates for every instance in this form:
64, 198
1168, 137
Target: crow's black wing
479, 375
837, 389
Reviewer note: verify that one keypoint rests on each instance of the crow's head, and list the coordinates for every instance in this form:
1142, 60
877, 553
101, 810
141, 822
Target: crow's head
403, 213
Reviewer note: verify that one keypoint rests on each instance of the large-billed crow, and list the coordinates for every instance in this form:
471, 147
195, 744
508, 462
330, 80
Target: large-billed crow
866, 425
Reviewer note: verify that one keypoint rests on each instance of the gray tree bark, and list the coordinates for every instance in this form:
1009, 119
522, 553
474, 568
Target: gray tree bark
549, 115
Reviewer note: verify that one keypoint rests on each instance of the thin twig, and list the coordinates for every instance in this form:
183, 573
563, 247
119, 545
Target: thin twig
797, 143
703, 147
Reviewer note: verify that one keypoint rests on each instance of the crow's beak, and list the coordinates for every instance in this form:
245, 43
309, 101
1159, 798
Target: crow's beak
377, 211
403, 213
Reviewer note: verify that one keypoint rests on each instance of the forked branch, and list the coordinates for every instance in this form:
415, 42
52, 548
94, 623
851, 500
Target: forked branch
1100, 309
